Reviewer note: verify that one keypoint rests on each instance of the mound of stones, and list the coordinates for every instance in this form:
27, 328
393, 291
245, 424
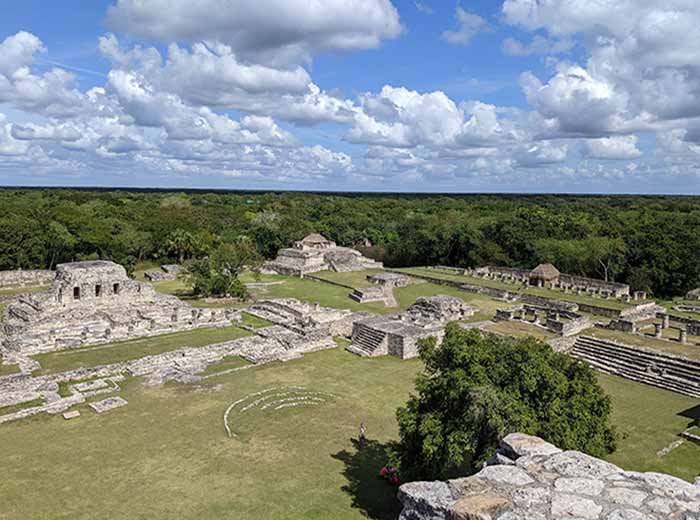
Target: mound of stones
530, 479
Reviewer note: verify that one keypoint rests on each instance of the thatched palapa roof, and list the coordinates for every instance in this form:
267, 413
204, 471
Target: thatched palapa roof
545, 272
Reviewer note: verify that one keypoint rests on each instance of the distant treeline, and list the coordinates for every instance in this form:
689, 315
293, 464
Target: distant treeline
652, 243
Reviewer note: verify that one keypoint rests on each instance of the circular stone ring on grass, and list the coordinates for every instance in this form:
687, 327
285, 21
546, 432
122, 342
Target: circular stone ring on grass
272, 399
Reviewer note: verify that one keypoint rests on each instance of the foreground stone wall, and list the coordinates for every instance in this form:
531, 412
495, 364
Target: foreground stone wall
22, 278
530, 479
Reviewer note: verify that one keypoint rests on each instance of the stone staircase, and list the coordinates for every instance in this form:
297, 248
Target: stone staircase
674, 373
368, 342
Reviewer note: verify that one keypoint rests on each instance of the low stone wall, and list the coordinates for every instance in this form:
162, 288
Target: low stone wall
330, 282
499, 294
528, 478
22, 278
549, 303
598, 310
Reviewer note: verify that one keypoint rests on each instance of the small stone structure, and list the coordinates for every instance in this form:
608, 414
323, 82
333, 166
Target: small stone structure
528, 478
306, 319
96, 302
398, 334
167, 272
382, 288
316, 253
693, 295
108, 404
559, 321
26, 278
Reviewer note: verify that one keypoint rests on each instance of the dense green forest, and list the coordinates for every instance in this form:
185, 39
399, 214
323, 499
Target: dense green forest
653, 243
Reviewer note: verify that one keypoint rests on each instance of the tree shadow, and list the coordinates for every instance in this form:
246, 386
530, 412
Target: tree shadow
370, 493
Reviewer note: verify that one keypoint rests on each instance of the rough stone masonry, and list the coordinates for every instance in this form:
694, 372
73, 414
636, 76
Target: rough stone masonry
530, 479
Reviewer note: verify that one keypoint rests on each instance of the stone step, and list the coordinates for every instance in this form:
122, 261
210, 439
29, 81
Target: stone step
629, 357
639, 376
683, 361
636, 372
672, 365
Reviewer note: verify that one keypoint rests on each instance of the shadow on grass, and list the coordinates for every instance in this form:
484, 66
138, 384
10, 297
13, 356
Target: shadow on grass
370, 493
691, 413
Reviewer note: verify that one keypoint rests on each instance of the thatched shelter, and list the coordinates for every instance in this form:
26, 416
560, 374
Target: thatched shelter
544, 273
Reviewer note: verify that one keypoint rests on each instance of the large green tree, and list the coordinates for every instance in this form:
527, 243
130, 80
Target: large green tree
477, 388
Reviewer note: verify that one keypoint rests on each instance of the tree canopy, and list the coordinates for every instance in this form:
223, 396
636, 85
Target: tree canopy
477, 388
650, 242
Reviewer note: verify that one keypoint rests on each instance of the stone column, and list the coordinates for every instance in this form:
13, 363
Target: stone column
658, 330
683, 337
665, 321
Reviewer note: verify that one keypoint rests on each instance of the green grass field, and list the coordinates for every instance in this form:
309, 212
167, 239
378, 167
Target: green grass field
166, 454
520, 329
65, 360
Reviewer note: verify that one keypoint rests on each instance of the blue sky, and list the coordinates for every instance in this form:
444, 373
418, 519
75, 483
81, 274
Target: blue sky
518, 95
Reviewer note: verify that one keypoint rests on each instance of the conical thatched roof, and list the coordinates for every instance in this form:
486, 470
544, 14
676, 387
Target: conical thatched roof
545, 272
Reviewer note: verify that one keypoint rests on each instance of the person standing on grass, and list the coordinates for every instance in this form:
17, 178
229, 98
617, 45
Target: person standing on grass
363, 430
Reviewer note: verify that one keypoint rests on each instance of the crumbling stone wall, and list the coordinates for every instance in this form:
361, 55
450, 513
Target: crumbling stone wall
528, 478
22, 278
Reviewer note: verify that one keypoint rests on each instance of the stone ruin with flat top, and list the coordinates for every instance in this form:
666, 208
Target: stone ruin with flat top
96, 302
398, 334
316, 253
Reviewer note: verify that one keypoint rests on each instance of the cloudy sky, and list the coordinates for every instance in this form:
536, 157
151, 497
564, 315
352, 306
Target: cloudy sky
403, 95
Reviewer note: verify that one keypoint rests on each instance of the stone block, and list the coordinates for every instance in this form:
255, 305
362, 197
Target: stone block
108, 404
71, 415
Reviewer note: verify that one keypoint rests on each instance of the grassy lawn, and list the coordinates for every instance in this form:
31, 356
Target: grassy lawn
516, 287
520, 329
166, 454
6, 370
226, 364
353, 279
254, 321
649, 419
6, 410
12, 291
65, 360
670, 347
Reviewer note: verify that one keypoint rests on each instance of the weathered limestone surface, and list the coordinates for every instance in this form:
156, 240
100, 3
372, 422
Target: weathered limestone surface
22, 278
534, 480
316, 253
398, 334
96, 302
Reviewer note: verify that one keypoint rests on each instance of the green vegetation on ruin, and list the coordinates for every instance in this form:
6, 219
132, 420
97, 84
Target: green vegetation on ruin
353, 279
254, 321
64, 360
167, 455
228, 363
7, 370
7, 410
520, 329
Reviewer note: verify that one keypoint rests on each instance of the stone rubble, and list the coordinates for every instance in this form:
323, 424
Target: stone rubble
530, 479
108, 404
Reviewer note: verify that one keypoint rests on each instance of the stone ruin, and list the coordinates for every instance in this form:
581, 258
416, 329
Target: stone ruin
316, 253
167, 272
95, 302
306, 319
398, 334
26, 278
382, 288
557, 320
546, 275
530, 479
